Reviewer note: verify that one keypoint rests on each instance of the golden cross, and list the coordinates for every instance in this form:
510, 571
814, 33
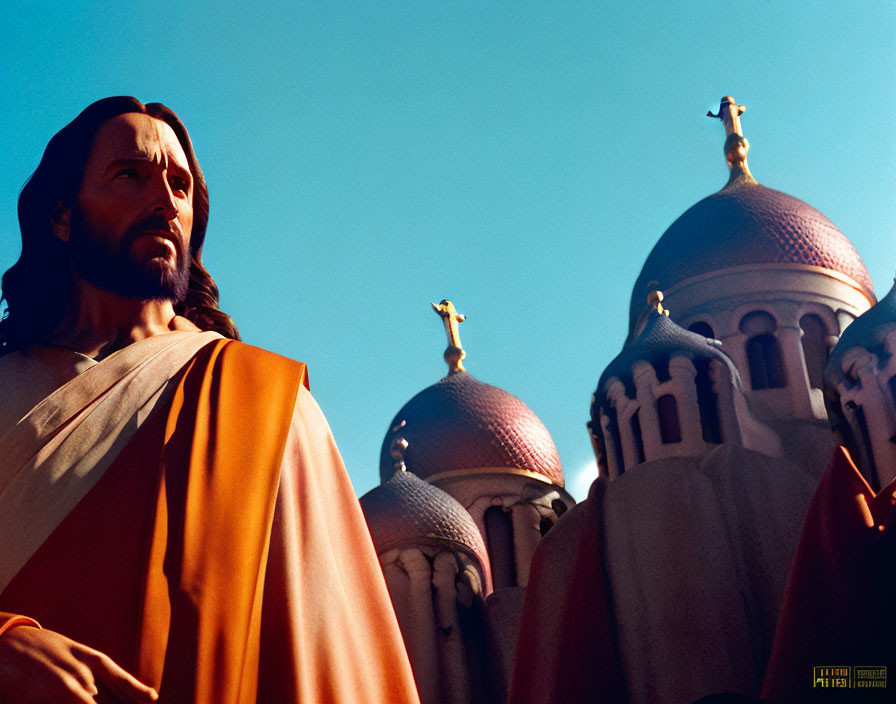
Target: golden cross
729, 114
454, 353
736, 145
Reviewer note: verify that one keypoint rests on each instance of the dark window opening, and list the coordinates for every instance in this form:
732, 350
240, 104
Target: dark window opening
559, 507
616, 439
544, 526
474, 635
499, 537
702, 328
708, 403
635, 423
766, 366
667, 410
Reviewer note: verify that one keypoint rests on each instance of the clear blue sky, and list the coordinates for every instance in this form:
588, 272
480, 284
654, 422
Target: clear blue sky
521, 159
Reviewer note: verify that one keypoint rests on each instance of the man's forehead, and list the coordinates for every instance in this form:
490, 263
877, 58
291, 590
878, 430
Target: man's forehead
134, 135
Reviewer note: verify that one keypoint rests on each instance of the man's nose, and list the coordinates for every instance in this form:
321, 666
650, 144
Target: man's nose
165, 202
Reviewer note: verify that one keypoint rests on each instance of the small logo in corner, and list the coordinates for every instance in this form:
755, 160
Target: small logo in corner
845, 677
830, 677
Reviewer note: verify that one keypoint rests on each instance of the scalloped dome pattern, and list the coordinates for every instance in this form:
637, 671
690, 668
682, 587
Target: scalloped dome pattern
462, 423
407, 510
746, 223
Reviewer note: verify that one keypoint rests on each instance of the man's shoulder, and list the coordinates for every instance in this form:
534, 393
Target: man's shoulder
242, 358
30, 375
258, 355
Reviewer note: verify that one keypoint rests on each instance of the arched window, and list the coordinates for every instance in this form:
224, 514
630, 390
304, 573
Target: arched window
635, 422
702, 328
708, 403
667, 410
499, 537
763, 351
815, 349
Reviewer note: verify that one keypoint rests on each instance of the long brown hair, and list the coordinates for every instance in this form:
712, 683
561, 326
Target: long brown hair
37, 287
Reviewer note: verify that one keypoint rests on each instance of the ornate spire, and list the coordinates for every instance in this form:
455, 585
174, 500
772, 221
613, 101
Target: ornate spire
397, 449
655, 300
454, 353
736, 145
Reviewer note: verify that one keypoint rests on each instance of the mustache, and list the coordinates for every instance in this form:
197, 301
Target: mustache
158, 224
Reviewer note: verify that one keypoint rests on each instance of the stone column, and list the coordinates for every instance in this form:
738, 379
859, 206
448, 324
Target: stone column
399, 586
645, 382
735, 346
421, 639
790, 338
625, 407
684, 375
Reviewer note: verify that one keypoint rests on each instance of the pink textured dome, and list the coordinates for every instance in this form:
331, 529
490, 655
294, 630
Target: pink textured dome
461, 423
746, 223
405, 511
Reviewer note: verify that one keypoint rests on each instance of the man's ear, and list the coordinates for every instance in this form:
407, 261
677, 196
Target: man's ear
62, 222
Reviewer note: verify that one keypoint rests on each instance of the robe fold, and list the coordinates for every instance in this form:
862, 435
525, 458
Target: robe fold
840, 602
219, 554
569, 605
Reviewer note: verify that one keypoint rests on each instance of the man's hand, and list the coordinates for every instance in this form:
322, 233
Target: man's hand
39, 666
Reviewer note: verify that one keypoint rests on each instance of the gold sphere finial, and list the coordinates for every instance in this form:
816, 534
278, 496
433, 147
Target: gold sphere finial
454, 353
655, 298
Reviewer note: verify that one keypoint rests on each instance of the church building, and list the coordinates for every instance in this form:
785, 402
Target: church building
712, 429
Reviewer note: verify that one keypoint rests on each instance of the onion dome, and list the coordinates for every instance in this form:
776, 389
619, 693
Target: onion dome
461, 425
659, 341
868, 331
746, 224
406, 511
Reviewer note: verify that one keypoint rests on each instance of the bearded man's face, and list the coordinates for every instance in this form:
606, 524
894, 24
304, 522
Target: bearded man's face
130, 227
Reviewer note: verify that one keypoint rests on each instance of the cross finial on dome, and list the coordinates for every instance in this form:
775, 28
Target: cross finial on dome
729, 114
454, 353
736, 145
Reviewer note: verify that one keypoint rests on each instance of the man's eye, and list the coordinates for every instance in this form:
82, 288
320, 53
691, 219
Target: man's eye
180, 184
126, 173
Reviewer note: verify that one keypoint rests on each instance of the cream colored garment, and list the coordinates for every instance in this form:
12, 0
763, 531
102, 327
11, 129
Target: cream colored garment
29, 376
56, 453
697, 555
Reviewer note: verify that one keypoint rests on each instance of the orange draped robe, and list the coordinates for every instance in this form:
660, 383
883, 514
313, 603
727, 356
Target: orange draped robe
223, 557
840, 603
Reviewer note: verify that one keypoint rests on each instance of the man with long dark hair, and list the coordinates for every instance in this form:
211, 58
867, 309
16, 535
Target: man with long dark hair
176, 521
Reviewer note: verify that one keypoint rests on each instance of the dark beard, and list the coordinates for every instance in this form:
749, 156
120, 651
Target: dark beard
116, 270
